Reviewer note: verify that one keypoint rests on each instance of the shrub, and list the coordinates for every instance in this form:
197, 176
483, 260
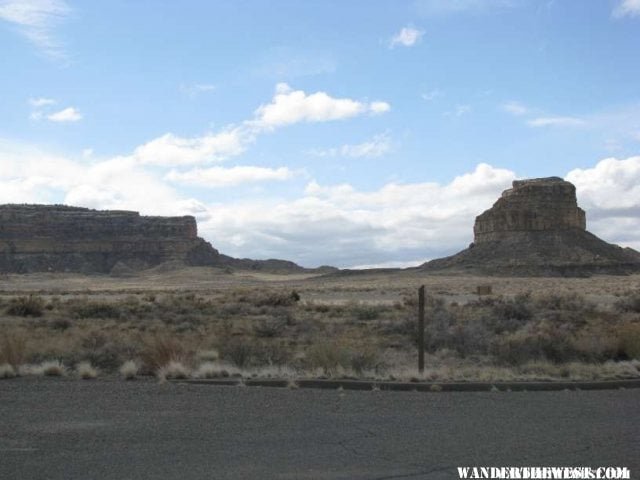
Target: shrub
596, 346
367, 312
523, 346
94, 309
13, 348
437, 328
570, 302
30, 306
328, 356
467, 338
237, 351
271, 353
60, 324
295, 296
160, 350
364, 358
269, 327
104, 351
630, 340
629, 303
272, 299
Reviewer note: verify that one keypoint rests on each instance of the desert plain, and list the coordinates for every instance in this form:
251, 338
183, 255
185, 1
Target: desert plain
206, 322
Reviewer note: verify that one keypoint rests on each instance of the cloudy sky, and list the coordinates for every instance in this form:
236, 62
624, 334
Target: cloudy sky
354, 133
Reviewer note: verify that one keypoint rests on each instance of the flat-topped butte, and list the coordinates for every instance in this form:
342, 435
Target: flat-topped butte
62, 238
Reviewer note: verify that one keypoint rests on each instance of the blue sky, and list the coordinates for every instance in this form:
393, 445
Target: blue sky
338, 132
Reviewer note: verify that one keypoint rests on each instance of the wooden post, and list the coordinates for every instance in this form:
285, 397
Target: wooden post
421, 329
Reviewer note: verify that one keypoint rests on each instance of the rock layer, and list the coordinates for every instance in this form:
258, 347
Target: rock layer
537, 228
531, 205
61, 238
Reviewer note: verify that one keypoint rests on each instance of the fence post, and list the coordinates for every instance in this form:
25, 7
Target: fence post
421, 329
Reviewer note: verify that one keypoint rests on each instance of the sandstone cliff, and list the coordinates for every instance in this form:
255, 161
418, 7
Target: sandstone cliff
540, 204
537, 228
60, 238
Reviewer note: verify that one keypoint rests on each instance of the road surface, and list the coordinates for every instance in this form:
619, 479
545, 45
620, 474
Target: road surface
112, 429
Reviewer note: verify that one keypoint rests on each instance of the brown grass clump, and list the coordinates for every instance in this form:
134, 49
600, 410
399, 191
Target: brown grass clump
327, 356
334, 358
53, 368
629, 303
30, 306
160, 350
13, 347
630, 340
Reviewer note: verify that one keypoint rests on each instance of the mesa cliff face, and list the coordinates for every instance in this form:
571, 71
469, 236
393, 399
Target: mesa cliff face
531, 205
537, 228
61, 238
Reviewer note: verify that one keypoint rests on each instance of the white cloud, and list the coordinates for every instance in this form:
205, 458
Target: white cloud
325, 224
343, 226
69, 114
379, 107
41, 102
431, 95
30, 175
193, 90
392, 264
215, 177
624, 8
172, 150
290, 106
36, 20
286, 108
459, 111
407, 37
334, 224
556, 122
515, 108
375, 147
610, 193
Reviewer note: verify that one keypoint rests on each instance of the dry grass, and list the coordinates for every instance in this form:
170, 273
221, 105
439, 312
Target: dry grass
86, 371
13, 347
129, 370
51, 368
210, 355
7, 371
629, 337
160, 350
173, 370
216, 370
360, 326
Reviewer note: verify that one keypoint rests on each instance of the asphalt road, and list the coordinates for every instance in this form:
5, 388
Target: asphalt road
111, 429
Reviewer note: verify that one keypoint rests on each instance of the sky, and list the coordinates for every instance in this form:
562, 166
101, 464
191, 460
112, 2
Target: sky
354, 133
